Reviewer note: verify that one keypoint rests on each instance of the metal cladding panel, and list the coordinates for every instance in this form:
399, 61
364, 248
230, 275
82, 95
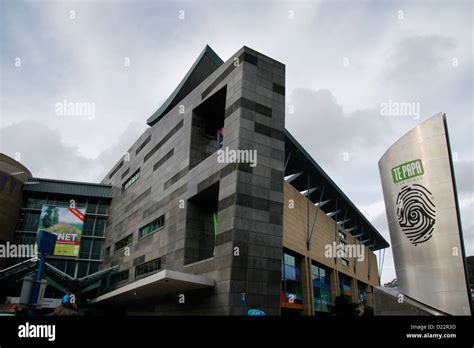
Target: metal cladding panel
422, 213
68, 188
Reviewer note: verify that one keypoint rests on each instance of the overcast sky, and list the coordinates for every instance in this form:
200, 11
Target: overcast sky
343, 59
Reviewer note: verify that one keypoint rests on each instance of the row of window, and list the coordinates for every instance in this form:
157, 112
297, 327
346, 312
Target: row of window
91, 249
144, 231
92, 206
93, 226
140, 270
320, 276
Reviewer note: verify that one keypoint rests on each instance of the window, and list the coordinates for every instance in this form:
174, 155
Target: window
342, 236
71, 267
63, 202
93, 267
96, 250
26, 238
148, 267
88, 227
99, 227
291, 281
362, 294
102, 209
321, 289
119, 277
123, 242
61, 265
345, 262
91, 207
85, 248
30, 221
35, 203
129, 182
82, 269
345, 287
344, 248
151, 227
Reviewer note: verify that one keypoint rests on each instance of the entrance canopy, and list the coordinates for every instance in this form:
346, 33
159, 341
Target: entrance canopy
161, 283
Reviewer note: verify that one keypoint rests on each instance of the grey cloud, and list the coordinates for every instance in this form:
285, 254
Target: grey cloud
464, 173
417, 62
110, 156
321, 125
43, 151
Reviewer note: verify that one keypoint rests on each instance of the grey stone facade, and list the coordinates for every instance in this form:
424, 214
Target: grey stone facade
176, 175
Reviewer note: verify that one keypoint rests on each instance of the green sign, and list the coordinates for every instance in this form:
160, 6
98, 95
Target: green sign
407, 171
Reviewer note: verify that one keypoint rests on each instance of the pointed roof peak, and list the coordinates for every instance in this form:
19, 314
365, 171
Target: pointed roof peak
205, 64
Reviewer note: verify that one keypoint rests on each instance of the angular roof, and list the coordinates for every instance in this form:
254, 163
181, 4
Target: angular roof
206, 63
300, 164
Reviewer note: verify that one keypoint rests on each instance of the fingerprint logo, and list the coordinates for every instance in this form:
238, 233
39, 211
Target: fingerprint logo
416, 213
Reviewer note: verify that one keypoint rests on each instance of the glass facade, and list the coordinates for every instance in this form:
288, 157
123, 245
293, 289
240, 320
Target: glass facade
362, 293
345, 287
321, 289
29, 222
90, 253
291, 280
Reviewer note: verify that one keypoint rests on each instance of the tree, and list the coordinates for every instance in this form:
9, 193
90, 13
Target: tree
47, 221
55, 217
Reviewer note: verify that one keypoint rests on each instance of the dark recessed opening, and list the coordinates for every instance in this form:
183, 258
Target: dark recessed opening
207, 130
201, 225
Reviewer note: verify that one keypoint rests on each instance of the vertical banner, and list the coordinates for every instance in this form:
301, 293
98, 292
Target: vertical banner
423, 217
67, 224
